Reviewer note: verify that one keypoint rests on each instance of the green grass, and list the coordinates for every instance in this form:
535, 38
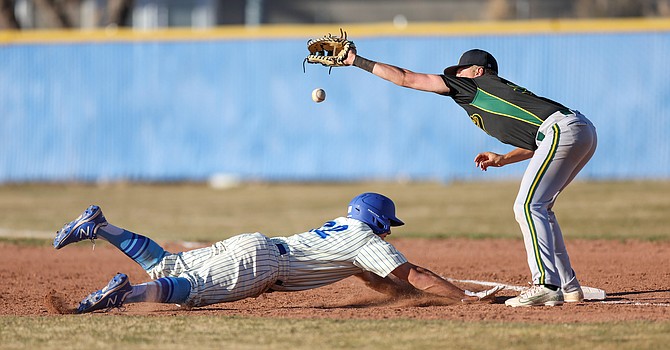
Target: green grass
195, 212
209, 332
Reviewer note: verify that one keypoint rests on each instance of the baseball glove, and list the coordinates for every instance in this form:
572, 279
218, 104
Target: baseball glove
329, 50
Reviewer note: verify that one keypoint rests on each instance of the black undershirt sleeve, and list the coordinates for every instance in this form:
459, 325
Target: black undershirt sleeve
462, 90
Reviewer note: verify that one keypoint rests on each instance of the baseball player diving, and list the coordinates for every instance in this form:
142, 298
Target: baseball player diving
558, 140
251, 264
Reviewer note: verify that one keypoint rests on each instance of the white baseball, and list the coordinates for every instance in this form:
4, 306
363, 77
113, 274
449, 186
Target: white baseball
318, 95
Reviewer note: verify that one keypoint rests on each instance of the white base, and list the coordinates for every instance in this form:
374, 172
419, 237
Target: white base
591, 293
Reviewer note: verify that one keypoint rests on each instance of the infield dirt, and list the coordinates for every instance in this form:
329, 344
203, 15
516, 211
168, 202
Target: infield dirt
40, 281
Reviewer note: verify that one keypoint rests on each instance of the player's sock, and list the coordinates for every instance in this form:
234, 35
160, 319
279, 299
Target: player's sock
142, 249
552, 287
173, 290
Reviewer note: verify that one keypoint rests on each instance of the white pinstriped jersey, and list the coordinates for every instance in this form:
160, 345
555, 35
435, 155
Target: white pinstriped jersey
337, 250
249, 264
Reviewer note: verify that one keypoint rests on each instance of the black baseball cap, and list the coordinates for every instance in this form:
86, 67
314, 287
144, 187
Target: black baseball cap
474, 57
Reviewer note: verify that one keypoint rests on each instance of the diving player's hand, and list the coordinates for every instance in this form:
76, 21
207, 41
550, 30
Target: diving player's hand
487, 159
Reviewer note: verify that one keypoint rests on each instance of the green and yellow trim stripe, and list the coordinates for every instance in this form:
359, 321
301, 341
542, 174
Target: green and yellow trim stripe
356, 31
493, 104
531, 192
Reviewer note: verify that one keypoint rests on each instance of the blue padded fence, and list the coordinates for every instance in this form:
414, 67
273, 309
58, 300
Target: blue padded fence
179, 110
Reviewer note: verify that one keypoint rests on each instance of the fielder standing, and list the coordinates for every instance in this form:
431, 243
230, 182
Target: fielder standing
558, 141
250, 264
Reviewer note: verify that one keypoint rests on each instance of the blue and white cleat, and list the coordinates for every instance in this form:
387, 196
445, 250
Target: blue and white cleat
113, 295
84, 227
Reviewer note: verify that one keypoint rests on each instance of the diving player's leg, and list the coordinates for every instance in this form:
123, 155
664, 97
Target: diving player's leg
175, 264
237, 268
119, 292
92, 223
242, 266
174, 290
143, 250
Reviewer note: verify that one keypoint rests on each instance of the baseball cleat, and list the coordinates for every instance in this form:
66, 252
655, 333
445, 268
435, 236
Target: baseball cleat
84, 227
537, 295
574, 297
113, 295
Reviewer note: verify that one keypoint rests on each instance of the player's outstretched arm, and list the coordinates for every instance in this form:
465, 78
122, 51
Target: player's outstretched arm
399, 76
429, 282
388, 285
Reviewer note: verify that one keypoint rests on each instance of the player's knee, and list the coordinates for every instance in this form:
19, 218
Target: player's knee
523, 210
519, 211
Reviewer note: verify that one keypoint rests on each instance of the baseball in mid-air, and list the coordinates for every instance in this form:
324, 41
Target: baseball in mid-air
318, 95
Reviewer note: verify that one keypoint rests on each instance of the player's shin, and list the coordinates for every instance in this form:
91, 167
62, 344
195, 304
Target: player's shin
173, 290
141, 249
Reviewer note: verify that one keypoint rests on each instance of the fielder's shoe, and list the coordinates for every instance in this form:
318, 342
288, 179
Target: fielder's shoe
537, 295
113, 295
84, 227
574, 297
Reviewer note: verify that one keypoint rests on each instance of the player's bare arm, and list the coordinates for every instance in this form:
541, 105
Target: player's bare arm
399, 76
486, 159
388, 285
427, 281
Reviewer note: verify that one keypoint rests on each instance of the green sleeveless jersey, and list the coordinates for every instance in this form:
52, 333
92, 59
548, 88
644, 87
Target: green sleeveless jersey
502, 109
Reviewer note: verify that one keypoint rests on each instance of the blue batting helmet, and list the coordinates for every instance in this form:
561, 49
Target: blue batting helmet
376, 210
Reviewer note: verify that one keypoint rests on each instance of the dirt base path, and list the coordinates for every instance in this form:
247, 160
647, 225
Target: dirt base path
636, 276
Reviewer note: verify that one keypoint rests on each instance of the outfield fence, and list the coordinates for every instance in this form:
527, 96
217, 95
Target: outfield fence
180, 105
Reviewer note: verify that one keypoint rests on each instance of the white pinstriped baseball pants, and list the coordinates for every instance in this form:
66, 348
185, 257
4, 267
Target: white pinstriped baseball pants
569, 143
240, 267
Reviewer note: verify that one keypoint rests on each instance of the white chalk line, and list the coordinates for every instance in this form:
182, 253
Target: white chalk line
634, 303
521, 288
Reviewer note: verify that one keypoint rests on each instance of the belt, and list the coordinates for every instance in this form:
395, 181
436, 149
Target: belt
565, 112
282, 249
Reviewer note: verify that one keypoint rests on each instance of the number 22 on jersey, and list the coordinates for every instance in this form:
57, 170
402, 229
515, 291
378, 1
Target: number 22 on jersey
329, 226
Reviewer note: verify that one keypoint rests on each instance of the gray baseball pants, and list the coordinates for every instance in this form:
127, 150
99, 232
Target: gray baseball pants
566, 142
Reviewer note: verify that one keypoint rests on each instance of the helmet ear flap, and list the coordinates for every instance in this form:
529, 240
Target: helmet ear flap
380, 224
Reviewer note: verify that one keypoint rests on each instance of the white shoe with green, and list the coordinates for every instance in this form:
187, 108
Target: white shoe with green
537, 295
